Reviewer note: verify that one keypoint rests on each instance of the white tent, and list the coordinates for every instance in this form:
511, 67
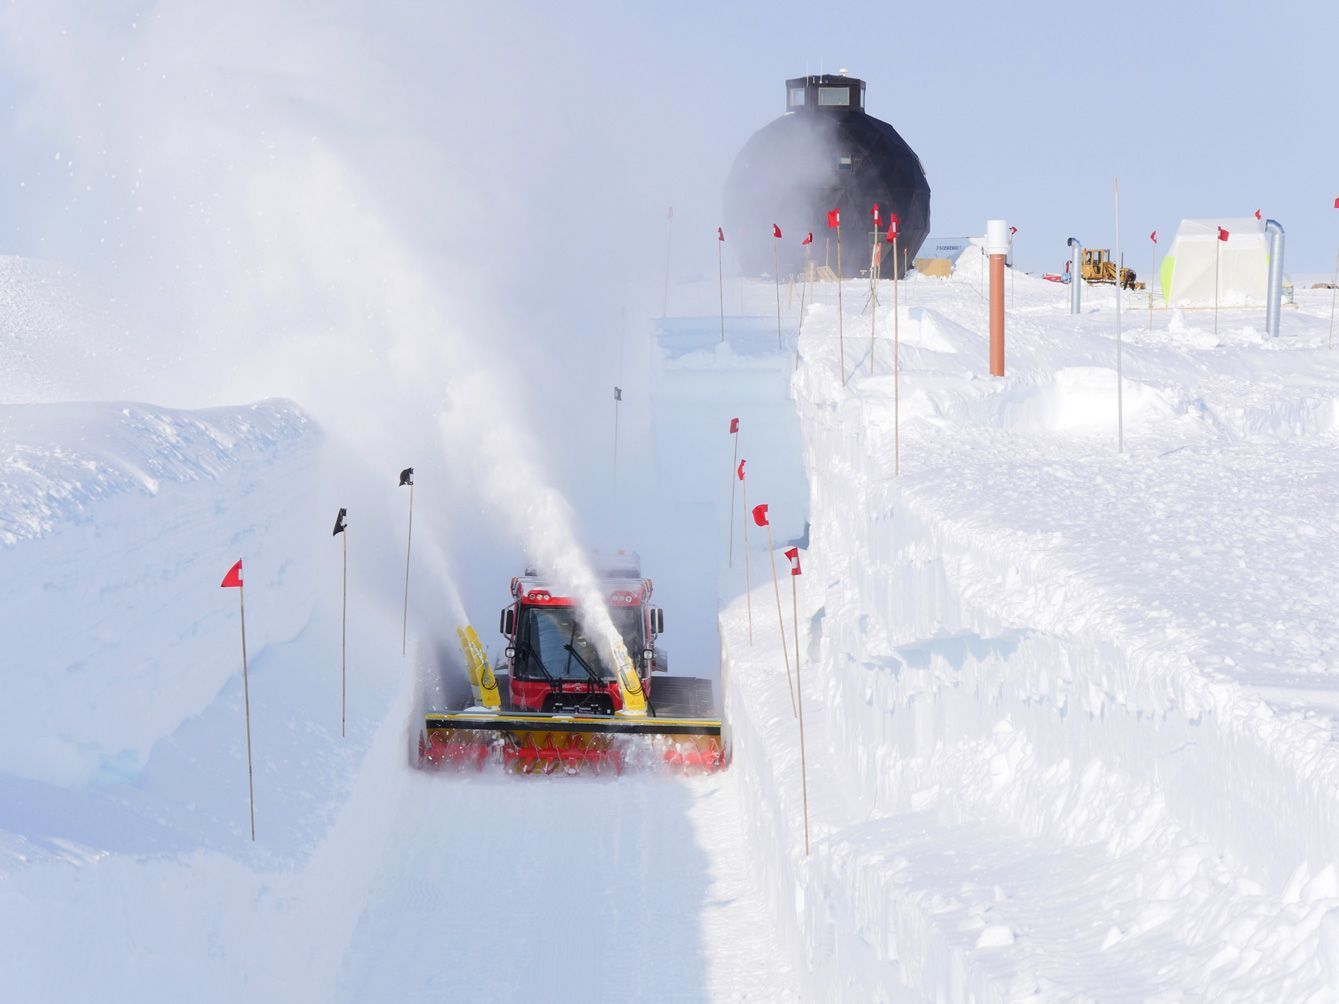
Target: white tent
1198, 261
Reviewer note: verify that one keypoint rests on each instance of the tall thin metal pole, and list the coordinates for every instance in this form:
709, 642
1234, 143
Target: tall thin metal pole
1120, 378
246, 704
618, 397
781, 622
799, 700
344, 641
409, 543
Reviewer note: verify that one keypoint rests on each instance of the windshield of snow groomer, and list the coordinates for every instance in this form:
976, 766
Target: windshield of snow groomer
550, 630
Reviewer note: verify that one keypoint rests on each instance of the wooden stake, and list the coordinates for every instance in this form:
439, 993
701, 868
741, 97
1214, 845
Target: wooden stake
344, 640
873, 300
799, 700
841, 345
781, 621
1152, 275
246, 705
748, 588
409, 543
776, 276
1120, 381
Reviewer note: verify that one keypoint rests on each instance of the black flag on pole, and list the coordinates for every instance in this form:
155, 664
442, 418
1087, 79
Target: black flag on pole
618, 393
340, 525
407, 476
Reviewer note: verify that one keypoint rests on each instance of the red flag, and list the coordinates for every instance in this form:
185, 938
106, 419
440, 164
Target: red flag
1012, 231
1336, 203
233, 580
734, 425
876, 216
793, 555
891, 235
834, 218
720, 234
760, 514
1153, 237
1222, 234
1257, 214
776, 230
809, 237
740, 473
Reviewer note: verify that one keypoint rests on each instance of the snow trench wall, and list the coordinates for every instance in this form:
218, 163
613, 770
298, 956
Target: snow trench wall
952, 679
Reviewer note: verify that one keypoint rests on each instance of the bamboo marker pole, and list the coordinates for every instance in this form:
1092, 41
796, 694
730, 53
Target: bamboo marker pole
669, 236
734, 463
720, 276
618, 397
1217, 279
1120, 381
873, 298
776, 277
344, 643
1334, 290
246, 704
897, 369
841, 344
794, 555
748, 587
407, 478
1152, 277
780, 618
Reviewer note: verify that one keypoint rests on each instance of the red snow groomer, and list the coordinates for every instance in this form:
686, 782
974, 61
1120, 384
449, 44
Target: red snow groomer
558, 701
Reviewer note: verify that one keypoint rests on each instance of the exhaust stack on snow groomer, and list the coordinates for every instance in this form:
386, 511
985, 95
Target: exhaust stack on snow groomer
1075, 285
1274, 292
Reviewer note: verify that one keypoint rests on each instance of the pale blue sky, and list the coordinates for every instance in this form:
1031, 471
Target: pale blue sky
1017, 110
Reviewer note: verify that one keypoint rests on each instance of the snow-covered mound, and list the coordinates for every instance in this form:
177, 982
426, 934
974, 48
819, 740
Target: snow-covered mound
117, 522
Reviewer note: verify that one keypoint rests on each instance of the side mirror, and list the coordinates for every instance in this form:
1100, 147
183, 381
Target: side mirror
657, 620
507, 622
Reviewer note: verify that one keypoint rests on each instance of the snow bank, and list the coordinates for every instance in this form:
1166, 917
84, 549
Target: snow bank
1070, 727
117, 522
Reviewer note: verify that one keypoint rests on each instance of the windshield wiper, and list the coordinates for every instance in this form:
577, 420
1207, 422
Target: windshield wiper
529, 650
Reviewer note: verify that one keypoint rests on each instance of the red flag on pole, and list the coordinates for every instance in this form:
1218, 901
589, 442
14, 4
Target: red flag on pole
720, 234
1257, 214
1336, 203
1222, 234
809, 237
760, 514
1153, 237
1012, 231
233, 580
875, 213
891, 235
734, 425
793, 555
834, 218
776, 231
740, 473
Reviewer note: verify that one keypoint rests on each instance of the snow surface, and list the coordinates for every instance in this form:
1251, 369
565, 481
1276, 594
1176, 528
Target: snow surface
1070, 714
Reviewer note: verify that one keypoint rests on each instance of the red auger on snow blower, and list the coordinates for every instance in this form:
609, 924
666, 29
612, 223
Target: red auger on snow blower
554, 704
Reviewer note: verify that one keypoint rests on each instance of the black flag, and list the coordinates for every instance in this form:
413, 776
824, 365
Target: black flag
618, 393
407, 476
340, 525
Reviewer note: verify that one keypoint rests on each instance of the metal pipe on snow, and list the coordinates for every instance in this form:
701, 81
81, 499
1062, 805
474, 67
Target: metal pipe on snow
1274, 293
1075, 285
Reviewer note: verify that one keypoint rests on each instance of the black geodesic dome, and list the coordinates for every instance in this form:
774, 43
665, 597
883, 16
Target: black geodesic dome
825, 153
